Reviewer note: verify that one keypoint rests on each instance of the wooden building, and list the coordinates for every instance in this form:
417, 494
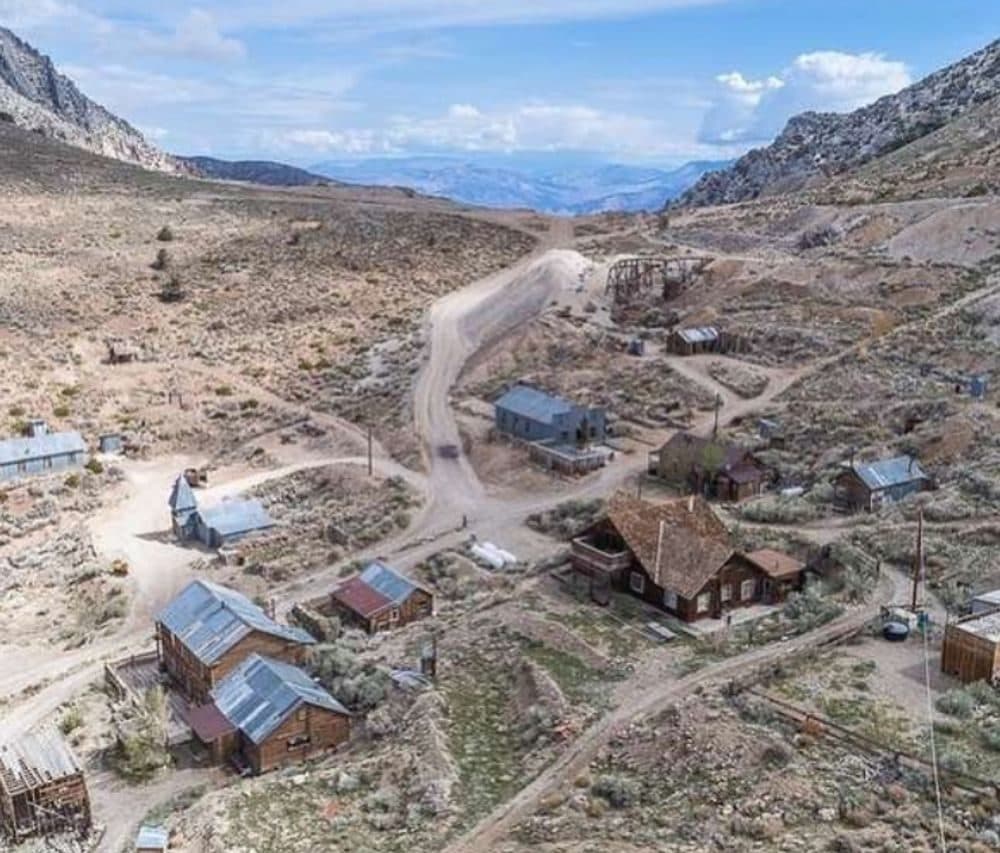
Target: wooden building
678, 556
216, 526
870, 485
530, 414
709, 467
380, 598
42, 789
209, 630
267, 714
41, 452
971, 650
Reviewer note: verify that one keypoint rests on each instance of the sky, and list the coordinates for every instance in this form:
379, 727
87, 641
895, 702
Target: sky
657, 82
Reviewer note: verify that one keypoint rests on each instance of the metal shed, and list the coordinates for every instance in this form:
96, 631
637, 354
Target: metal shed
152, 839
531, 414
42, 453
231, 520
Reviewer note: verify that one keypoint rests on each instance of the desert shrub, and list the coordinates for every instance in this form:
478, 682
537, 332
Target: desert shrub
567, 519
72, 481
223, 391
71, 720
359, 686
16, 411
142, 745
953, 761
165, 234
248, 405
778, 510
113, 608
810, 608
61, 411
956, 703
94, 466
776, 755
161, 261
991, 738
618, 791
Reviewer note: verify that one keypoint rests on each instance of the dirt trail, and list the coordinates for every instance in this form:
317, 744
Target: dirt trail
643, 700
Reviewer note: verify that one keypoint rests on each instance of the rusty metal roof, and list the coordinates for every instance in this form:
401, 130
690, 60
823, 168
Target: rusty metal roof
258, 696
358, 597
36, 759
208, 722
210, 619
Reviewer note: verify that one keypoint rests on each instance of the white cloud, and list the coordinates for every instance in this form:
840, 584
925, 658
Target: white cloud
534, 126
197, 36
747, 110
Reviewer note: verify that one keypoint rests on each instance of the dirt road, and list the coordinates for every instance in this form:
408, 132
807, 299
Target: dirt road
645, 699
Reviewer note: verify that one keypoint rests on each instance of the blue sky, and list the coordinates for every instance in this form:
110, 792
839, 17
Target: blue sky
654, 81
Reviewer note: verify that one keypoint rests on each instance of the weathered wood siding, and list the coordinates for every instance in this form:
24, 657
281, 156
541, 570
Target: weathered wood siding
47, 808
197, 679
419, 605
969, 657
308, 731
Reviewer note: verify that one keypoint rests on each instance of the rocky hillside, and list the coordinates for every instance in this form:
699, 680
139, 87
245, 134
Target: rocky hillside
266, 172
36, 97
817, 145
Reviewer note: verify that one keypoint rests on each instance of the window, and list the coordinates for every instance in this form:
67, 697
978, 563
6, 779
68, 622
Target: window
726, 593
298, 742
637, 583
703, 601
748, 589
670, 600
300, 714
394, 614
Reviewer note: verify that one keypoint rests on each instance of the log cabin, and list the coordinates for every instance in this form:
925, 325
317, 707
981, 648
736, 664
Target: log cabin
678, 556
381, 598
208, 630
267, 714
42, 789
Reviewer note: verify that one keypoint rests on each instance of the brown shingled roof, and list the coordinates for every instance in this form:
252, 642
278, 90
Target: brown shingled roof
694, 545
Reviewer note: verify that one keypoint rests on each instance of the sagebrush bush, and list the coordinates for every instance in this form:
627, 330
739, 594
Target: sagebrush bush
956, 703
620, 792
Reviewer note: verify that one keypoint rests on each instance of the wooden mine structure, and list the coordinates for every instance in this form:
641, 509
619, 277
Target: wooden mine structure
631, 276
42, 790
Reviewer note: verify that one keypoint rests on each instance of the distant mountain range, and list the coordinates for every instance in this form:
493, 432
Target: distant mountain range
265, 172
577, 188
814, 146
36, 97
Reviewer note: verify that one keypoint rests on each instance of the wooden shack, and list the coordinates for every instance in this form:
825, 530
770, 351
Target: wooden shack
709, 467
42, 789
871, 485
971, 649
208, 630
267, 714
381, 598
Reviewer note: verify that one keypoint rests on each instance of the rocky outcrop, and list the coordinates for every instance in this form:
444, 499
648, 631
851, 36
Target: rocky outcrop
818, 145
36, 97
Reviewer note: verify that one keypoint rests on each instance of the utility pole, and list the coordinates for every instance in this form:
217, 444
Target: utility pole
371, 464
718, 405
638, 486
918, 561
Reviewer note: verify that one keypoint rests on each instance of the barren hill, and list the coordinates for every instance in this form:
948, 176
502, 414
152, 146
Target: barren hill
816, 145
36, 97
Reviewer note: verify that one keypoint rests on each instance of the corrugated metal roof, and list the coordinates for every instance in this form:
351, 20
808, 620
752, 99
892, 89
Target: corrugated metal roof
359, 598
699, 335
261, 692
14, 450
533, 404
152, 838
35, 759
210, 619
182, 496
390, 583
230, 518
890, 472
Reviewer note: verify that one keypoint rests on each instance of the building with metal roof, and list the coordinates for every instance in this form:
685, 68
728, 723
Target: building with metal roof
152, 839
381, 598
267, 713
231, 521
531, 414
42, 789
869, 485
699, 339
208, 629
41, 453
